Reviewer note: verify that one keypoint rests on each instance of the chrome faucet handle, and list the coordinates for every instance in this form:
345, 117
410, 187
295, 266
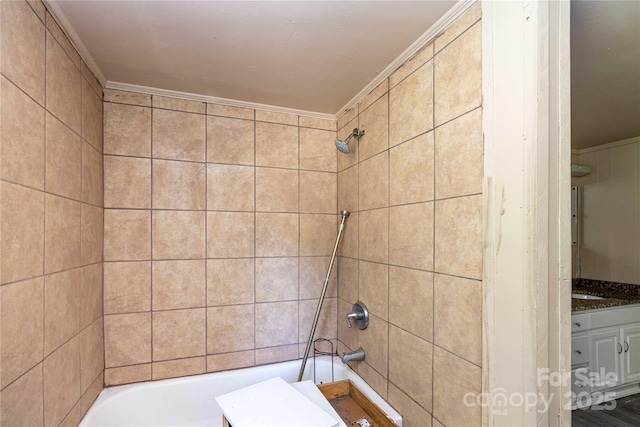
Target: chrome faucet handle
360, 314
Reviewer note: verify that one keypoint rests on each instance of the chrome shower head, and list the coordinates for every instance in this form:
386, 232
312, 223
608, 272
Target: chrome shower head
343, 146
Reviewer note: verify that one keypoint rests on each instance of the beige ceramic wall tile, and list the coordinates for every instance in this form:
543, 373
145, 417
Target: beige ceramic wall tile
276, 190
470, 17
127, 182
62, 234
127, 130
276, 145
39, 8
178, 235
92, 393
178, 135
22, 228
458, 250
375, 122
127, 339
276, 354
411, 106
230, 234
373, 181
276, 234
178, 104
410, 373
348, 286
127, 235
64, 86
22, 149
127, 287
179, 333
127, 374
63, 160
373, 285
22, 328
91, 354
178, 284
374, 95
276, 324
375, 342
411, 301
22, 401
92, 176
61, 308
123, 97
91, 117
276, 279
230, 187
226, 361
91, 294
317, 234
458, 151
230, 281
23, 49
411, 176
458, 76
317, 150
230, 141
411, 236
230, 111
58, 33
179, 368
318, 192
348, 189
413, 415
349, 241
458, 316
453, 378
61, 382
326, 328
230, 328
316, 123
374, 379
178, 185
93, 81
417, 61
274, 117
345, 117
313, 272
374, 235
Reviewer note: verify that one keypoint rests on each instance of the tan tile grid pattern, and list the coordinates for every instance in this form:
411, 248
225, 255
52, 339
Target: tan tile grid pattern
219, 222
413, 248
51, 326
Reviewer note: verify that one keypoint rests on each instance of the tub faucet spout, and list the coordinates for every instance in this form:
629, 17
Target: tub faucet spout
353, 356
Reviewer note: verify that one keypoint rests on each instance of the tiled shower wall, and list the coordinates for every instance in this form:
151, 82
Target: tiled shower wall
413, 250
219, 223
51, 347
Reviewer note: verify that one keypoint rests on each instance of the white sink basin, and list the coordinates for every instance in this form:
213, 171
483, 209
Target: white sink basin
584, 296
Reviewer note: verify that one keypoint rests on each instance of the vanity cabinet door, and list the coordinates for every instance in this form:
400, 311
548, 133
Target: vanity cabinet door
604, 361
631, 353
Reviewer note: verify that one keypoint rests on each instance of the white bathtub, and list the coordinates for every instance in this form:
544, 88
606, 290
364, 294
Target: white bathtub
189, 401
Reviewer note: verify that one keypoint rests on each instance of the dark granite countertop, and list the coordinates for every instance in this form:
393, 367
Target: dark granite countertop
614, 294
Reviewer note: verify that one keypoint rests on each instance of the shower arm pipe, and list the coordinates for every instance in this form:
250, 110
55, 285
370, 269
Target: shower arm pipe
345, 214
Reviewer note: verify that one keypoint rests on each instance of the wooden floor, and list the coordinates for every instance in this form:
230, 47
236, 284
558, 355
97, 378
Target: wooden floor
625, 414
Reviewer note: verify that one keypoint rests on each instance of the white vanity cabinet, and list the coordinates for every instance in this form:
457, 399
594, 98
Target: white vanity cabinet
605, 349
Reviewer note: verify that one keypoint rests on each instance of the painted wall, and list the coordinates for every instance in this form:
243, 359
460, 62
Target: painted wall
51, 332
413, 250
219, 223
610, 194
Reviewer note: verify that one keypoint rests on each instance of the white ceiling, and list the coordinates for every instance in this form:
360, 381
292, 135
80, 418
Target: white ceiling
605, 71
318, 56
306, 55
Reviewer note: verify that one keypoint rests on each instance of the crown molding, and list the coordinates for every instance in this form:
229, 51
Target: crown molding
427, 37
214, 100
634, 140
58, 14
